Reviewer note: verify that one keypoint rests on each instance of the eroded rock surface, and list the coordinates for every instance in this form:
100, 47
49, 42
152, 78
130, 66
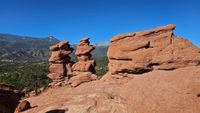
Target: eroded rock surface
160, 91
89, 103
91, 97
156, 49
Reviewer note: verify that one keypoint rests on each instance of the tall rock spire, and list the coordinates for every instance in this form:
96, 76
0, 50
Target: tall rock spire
60, 67
84, 69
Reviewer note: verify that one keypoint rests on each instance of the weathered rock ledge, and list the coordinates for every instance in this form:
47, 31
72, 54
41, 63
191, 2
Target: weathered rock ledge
156, 49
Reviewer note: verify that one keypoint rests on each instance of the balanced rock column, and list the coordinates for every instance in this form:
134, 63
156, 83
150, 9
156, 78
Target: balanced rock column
84, 69
60, 67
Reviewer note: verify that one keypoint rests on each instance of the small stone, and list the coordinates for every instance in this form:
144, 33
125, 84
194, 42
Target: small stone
23, 106
84, 49
54, 76
64, 45
54, 47
81, 78
85, 39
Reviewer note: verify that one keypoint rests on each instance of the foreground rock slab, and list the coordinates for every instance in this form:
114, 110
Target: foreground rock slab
176, 91
90, 97
155, 92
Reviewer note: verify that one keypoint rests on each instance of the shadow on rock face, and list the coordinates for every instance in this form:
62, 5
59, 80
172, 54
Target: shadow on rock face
57, 111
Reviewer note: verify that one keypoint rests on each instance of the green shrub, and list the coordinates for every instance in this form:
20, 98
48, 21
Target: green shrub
28, 75
101, 66
24, 75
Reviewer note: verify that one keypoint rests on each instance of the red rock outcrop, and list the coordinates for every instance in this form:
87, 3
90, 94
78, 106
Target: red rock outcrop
84, 69
172, 86
156, 49
9, 98
60, 67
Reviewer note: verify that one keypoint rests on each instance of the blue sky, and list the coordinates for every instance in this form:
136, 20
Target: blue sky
99, 19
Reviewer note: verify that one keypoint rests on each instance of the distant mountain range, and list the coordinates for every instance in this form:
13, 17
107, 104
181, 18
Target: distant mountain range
25, 48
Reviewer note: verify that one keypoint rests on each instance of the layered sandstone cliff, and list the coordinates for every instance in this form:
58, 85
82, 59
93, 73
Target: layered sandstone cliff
156, 49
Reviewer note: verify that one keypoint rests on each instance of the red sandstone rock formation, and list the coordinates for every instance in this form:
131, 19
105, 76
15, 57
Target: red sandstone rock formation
156, 49
172, 86
84, 69
61, 64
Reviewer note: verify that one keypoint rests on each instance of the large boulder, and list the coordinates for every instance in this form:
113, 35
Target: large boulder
87, 66
84, 49
81, 78
156, 49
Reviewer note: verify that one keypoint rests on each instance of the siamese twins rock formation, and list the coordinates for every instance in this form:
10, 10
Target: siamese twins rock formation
62, 68
169, 81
